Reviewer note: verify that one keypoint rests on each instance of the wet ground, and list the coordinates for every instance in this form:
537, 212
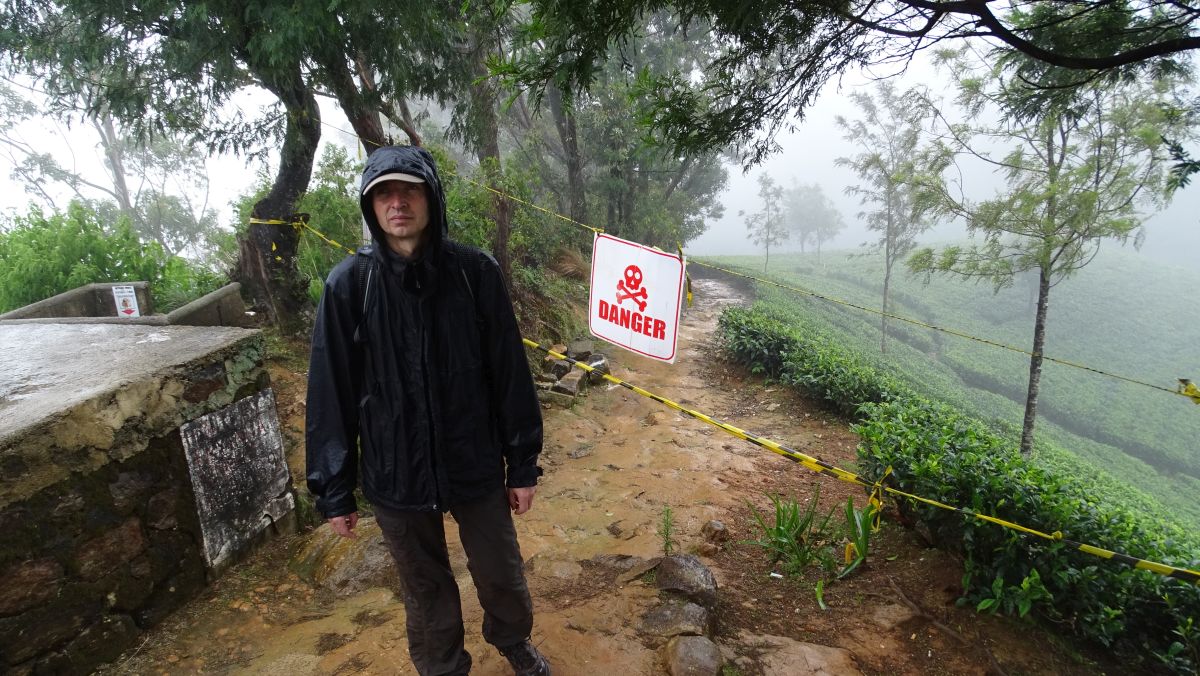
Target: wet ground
615, 463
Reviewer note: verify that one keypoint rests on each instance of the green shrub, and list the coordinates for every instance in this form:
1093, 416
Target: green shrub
42, 255
938, 453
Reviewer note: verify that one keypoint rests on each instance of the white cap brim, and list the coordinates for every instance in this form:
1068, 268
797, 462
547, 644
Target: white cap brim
394, 176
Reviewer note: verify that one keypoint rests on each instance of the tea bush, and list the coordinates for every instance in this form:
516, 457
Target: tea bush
939, 453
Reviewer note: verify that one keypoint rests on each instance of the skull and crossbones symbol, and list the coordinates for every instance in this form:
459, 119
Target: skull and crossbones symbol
630, 288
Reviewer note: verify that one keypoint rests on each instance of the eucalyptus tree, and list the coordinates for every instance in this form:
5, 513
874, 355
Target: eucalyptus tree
603, 166
1080, 170
768, 226
160, 185
891, 162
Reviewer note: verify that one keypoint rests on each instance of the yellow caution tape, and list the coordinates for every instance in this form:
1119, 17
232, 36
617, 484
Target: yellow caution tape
300, 223
1188, 389
822, 467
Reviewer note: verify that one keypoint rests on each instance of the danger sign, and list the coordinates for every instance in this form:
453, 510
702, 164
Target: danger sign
635, 296
125, 298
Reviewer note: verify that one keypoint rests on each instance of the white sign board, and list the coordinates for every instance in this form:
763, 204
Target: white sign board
126, 300
635, 297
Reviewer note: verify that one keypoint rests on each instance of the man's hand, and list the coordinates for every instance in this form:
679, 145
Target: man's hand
521, 499
344, 525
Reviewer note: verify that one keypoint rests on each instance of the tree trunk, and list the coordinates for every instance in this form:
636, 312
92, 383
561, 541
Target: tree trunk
115, 155
564, 122
628, 198
889, 247
363, 116
887, 287
267, 252
1035, 363
487, 149
612, 223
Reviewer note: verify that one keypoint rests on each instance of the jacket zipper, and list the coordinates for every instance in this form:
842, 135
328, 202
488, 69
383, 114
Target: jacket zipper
425, 385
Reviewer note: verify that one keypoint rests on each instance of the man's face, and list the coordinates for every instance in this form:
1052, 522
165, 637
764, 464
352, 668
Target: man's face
402, 210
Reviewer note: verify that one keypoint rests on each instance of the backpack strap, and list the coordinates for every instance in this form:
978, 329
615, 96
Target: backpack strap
459, 254
364, 280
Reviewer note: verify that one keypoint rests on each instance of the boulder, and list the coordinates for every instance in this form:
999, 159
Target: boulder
101, 555
571, 384
558, 367
715, 532
550, 398
684, 574
28, 584
780, 656
545, 564
693, 656
599, 364
580, 349
677, 618
347, 566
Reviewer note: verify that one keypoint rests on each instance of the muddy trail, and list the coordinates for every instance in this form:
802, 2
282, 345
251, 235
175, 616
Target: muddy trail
614, 463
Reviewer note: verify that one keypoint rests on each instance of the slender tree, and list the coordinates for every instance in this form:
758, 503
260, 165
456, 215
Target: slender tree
602, 167
1081, 171
892, 157
768, 227
160, 185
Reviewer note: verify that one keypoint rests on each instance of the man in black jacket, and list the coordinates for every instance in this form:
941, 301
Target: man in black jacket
418, 387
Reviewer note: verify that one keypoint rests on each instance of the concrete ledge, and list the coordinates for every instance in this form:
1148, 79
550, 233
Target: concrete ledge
92, 300
222, 307
85, 305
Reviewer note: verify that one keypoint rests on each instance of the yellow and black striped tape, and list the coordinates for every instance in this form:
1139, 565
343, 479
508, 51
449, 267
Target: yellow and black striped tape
822, 467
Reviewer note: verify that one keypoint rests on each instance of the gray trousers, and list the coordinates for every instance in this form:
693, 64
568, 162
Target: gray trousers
417, 541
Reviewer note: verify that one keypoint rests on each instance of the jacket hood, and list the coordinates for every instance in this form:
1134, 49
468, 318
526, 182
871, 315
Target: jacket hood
412, 160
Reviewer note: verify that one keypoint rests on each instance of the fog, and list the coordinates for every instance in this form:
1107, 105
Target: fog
808, 154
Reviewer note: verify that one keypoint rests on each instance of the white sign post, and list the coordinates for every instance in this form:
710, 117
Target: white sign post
126, 300
635, 297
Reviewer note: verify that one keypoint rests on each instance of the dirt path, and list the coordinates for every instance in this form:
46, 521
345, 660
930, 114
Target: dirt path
613, 463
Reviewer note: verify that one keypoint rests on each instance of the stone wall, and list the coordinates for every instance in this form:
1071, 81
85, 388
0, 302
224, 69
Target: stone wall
99, 533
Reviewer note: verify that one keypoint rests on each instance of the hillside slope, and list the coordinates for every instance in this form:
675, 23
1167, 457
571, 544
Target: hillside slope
1121, 315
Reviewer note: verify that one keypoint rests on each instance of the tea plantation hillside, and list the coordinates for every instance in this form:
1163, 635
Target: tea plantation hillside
1121, 314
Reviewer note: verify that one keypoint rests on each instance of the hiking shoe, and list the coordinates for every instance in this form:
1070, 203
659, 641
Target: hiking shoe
526, 660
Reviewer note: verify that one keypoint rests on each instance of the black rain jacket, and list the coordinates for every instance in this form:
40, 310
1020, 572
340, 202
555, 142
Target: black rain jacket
418, 382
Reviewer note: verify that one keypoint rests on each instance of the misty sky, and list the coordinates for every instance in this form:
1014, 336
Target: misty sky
808, 155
